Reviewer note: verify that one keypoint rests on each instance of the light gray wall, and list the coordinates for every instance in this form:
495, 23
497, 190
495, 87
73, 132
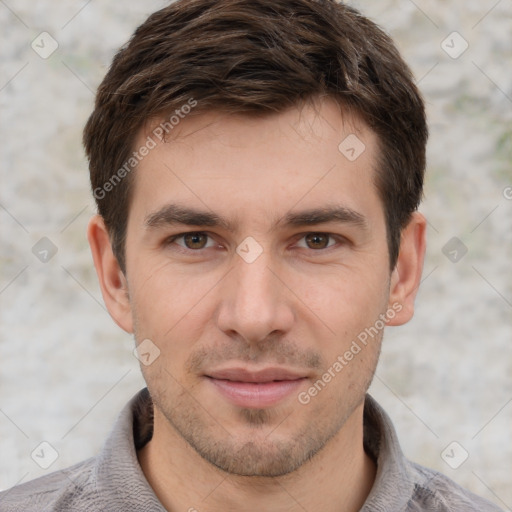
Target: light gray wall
66, 369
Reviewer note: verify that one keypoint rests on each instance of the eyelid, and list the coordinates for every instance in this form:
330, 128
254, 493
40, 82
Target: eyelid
171, 239
300, 236
331, 236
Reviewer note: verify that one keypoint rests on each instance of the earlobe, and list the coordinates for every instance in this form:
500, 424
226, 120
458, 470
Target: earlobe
406, 276
113, 283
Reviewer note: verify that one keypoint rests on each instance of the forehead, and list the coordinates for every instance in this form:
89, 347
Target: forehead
262, 164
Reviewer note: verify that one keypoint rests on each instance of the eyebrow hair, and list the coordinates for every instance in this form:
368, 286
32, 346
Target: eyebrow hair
325, 214
172, 214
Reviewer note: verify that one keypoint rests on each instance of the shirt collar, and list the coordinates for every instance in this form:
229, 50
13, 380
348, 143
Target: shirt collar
123, 486
119, 478
394, 482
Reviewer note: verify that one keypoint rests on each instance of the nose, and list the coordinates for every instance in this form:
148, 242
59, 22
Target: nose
255, 303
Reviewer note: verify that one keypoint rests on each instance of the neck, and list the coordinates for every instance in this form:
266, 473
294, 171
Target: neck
337, 479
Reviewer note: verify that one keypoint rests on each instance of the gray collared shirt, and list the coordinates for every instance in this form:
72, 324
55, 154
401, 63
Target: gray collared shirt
113, 481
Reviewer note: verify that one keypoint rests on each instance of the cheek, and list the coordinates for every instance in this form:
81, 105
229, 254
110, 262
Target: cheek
168, 306
347, 299
351, 304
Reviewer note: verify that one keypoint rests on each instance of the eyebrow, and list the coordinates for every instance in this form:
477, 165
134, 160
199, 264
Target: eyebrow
174, 214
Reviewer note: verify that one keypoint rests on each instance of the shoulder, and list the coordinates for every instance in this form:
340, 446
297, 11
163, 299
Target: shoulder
65, 490
435, 491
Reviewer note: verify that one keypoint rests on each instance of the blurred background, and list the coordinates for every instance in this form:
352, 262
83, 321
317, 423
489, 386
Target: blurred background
66, 369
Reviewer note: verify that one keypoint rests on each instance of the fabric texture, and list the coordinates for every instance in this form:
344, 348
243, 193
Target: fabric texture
113, 481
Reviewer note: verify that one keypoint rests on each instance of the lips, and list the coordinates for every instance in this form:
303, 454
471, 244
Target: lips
257, 376
256, 389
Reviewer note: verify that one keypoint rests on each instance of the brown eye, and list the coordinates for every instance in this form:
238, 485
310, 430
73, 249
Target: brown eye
195, 240
317, 240
190, 243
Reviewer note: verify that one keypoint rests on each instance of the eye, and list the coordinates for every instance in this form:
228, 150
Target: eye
318, 240
194, 240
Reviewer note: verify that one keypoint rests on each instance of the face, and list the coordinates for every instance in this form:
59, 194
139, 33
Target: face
256, 255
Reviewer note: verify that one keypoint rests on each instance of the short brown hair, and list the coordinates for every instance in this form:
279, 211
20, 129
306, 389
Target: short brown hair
257, 57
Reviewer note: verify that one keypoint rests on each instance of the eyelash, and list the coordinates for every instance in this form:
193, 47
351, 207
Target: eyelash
172, 239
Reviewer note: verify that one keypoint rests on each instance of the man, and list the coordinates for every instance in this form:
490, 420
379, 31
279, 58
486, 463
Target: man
257, 166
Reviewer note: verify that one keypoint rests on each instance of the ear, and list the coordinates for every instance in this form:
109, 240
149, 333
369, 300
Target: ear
406, 276
114, 286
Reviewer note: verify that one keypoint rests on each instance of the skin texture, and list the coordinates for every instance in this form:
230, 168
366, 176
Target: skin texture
299, 305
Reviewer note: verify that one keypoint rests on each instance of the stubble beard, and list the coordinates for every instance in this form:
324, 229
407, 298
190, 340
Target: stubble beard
259, 455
